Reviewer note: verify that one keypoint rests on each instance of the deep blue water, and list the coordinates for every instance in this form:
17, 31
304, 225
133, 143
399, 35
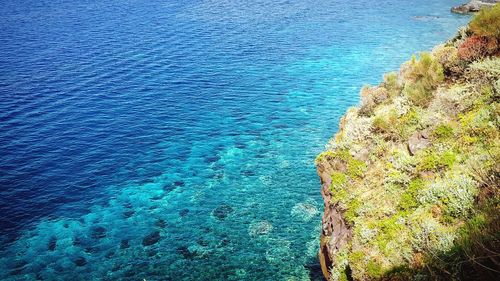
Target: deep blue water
174, 140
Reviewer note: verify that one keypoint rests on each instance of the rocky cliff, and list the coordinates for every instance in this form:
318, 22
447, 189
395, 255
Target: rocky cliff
411, 180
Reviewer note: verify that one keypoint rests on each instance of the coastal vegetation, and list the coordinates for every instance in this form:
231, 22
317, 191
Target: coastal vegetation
411, 180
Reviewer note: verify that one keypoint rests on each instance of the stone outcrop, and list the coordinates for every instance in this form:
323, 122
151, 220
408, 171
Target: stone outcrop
473, 6
335, 232
418, 141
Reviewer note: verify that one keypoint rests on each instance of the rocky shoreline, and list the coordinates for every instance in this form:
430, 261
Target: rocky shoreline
473, 6
411, 180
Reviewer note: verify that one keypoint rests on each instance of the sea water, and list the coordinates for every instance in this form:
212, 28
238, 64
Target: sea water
175, 140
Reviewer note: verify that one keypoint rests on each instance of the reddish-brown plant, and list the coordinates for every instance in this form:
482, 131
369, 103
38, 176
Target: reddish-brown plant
476, 47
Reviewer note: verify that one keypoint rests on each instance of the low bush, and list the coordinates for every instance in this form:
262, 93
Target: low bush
423, 75
352, 210
433, 161
485, 70
338, 181
370, 98
477, 47
391, 84
456, 194
408, 199
487, 22
448, 57
443, 132
418, 93
384, 123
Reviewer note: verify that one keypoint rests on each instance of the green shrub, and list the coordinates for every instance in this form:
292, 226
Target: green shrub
418, 93
473, 256
323, 155
355, 168
443, 132
480, 125
456, 194
487, 22
447, 159
411, 118
408, 199
374, 269
391, 80
380, 124
385, 123
484, 70
447, 56
352, 210
407, 124
429, 162
339, 195
433, 161
356, 257
343, 276
391, 84
338, 181
424, 76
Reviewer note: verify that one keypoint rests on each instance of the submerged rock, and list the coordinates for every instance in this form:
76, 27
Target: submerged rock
129, 273
98, 232
16, 272
80, 261
218, 176
90, 249
278, 251
202, 242
161, 223
109, 254
174, 185
240, 145
222, 211
52, 244
186, 253
179, 183
224, 242
259, 228
304, 211
77, 241
183, 212
151, 238
212, 159
157, 197
168, 187
248, 173
124, 244
127, 214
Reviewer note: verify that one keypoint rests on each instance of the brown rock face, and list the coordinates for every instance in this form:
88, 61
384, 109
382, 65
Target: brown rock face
335, 232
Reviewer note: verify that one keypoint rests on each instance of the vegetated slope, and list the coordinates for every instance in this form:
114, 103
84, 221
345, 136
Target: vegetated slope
411, 180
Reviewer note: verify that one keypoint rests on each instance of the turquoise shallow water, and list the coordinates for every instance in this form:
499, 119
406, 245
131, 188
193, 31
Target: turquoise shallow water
169, 140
